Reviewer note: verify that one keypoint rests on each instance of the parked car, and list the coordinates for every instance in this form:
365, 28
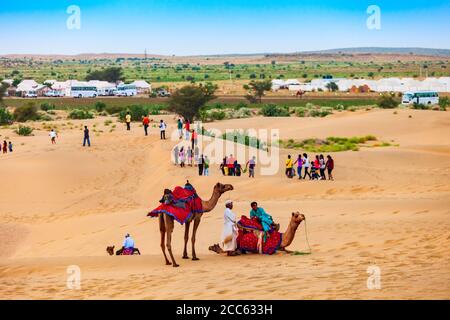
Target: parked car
162, 93
30, 94
54, 93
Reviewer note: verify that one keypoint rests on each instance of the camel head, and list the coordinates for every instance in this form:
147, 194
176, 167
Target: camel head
110, 250
297, 218
222, 188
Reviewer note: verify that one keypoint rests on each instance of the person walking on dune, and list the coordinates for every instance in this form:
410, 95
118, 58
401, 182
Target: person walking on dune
53, 135
289, 166
201, 165
299, 163
5, 147
187, 128
251, 167
306, 165
322, 168
182, 156
162, 129
128, 120
180, 128
86, 138
146, 123
10, 147
330, 166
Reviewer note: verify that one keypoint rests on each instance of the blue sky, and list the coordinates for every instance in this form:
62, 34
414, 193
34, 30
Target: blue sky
192, 27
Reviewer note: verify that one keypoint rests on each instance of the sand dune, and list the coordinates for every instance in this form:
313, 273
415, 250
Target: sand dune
62, 205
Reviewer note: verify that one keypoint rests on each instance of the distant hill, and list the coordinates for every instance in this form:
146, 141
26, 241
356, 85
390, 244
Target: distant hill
384, 50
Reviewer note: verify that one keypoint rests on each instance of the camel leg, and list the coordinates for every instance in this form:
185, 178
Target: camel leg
162, 229
197, 220
169, 229
186, 238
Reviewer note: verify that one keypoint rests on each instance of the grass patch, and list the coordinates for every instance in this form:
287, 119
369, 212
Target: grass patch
330, 144
24, 131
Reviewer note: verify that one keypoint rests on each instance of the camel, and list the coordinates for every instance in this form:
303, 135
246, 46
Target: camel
166, 225
110, 250
288, 235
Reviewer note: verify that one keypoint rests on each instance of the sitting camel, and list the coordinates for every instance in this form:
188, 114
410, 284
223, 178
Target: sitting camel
166, 224
110, 250
287, 237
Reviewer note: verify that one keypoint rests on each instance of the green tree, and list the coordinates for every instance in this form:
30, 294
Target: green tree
332, 86
112, 74
26, 112
3, 89
257, 90
189, 100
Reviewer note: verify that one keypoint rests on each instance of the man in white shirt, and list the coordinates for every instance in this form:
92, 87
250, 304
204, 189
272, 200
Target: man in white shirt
53, 136
230, 232
162, 129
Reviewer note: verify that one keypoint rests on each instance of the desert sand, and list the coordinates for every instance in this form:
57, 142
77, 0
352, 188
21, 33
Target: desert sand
62, 204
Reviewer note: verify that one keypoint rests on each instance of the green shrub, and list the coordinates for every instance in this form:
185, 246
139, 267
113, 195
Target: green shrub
114, 109
24, 131
420, 106
443, 103
26, 112
387, 102
80, 114
47, 106
272, 110
241, 113
138, 111
45, 117
100, 106
5, 116
240, 105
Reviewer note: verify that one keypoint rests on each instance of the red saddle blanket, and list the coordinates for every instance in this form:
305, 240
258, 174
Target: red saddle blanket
247, 239
181, 204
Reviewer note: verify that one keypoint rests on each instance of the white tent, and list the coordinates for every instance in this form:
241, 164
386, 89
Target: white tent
142, 86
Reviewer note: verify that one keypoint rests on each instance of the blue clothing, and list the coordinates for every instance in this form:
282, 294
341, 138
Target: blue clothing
263, 216
86, 139
128, 243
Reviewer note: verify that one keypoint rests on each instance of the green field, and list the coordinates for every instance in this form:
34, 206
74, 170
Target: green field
156, 70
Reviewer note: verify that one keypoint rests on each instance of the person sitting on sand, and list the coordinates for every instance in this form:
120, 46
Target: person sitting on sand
230, 231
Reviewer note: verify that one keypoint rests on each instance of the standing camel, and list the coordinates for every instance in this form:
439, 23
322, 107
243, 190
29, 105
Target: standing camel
166, 224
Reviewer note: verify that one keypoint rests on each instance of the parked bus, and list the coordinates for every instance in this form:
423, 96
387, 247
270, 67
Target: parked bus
420, 97
126, 90
83, 92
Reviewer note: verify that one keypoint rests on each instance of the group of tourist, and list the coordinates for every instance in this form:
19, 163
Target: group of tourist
6, 146
191, 157
231, 167
315, 169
